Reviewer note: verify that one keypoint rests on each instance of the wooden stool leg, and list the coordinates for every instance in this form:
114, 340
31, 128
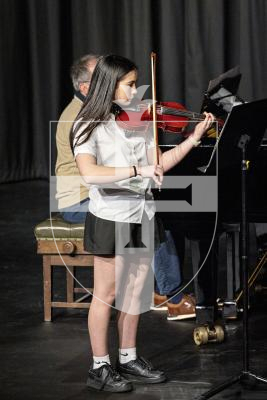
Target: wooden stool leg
70, 284
47, 287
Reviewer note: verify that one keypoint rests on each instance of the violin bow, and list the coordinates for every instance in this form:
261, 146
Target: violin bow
154, 107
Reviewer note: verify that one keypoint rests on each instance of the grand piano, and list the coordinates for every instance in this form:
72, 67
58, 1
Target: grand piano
199, 227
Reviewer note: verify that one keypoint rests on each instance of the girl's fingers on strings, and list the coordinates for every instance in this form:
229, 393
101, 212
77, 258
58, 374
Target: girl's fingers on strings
209, 119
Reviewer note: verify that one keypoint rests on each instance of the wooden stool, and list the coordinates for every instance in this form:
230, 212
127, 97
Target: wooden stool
61, 244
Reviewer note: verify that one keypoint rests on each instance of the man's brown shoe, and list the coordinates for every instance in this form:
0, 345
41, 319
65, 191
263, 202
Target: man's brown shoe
183, 310
157, 301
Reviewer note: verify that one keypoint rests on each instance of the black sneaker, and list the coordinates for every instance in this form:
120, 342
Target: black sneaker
140, 371
107, 379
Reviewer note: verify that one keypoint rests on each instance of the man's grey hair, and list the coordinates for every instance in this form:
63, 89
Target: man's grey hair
79, 71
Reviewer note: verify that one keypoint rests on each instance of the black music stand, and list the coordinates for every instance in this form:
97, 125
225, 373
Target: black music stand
240, 139
222, 93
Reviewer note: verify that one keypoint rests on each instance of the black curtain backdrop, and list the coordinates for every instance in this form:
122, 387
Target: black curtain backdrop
195, 41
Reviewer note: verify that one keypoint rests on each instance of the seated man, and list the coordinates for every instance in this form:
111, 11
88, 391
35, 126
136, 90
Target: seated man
73, 199
72, 195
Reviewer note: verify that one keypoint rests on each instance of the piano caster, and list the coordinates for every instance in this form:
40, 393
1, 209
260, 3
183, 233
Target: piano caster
230, 310
208, 334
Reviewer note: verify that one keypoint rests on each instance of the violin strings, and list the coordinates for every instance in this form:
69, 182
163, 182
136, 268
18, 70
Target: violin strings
172, 111
181, 113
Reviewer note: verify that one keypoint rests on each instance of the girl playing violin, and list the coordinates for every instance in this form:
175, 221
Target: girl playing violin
119, 167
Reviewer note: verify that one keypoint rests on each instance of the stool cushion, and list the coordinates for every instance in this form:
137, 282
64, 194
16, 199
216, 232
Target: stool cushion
57, 228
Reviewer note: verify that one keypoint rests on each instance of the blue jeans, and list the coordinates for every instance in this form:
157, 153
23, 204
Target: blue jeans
166, 261
76, 213
167, 269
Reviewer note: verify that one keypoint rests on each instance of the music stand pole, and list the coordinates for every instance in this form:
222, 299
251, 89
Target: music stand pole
245, 375
244, 139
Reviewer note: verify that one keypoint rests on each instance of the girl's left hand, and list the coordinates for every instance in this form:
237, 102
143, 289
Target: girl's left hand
203, 126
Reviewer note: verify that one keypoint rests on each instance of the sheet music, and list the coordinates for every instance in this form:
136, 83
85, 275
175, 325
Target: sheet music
225, 99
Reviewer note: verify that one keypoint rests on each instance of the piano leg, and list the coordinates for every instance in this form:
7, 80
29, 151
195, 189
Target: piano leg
209, 329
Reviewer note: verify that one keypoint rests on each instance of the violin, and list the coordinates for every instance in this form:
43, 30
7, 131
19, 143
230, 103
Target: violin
171, 117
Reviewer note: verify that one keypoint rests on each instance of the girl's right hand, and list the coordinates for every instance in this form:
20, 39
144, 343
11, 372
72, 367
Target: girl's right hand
152, 171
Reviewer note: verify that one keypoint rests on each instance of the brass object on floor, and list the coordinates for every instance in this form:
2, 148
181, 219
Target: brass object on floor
207, 334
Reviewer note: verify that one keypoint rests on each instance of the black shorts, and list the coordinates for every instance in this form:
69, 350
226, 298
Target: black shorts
104, 237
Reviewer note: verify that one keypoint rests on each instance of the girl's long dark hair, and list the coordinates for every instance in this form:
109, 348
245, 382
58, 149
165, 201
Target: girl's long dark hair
99, 101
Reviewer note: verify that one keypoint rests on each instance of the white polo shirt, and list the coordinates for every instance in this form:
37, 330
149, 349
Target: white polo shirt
126, 200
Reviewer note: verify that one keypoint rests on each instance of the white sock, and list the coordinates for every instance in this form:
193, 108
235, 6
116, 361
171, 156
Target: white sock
99, 361
126, 355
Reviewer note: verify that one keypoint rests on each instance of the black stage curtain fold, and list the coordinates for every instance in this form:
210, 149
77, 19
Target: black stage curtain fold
194, 40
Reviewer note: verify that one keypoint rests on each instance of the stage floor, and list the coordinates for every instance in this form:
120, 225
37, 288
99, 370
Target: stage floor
48, 361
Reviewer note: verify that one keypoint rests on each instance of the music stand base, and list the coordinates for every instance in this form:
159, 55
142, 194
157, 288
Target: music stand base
245, 377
